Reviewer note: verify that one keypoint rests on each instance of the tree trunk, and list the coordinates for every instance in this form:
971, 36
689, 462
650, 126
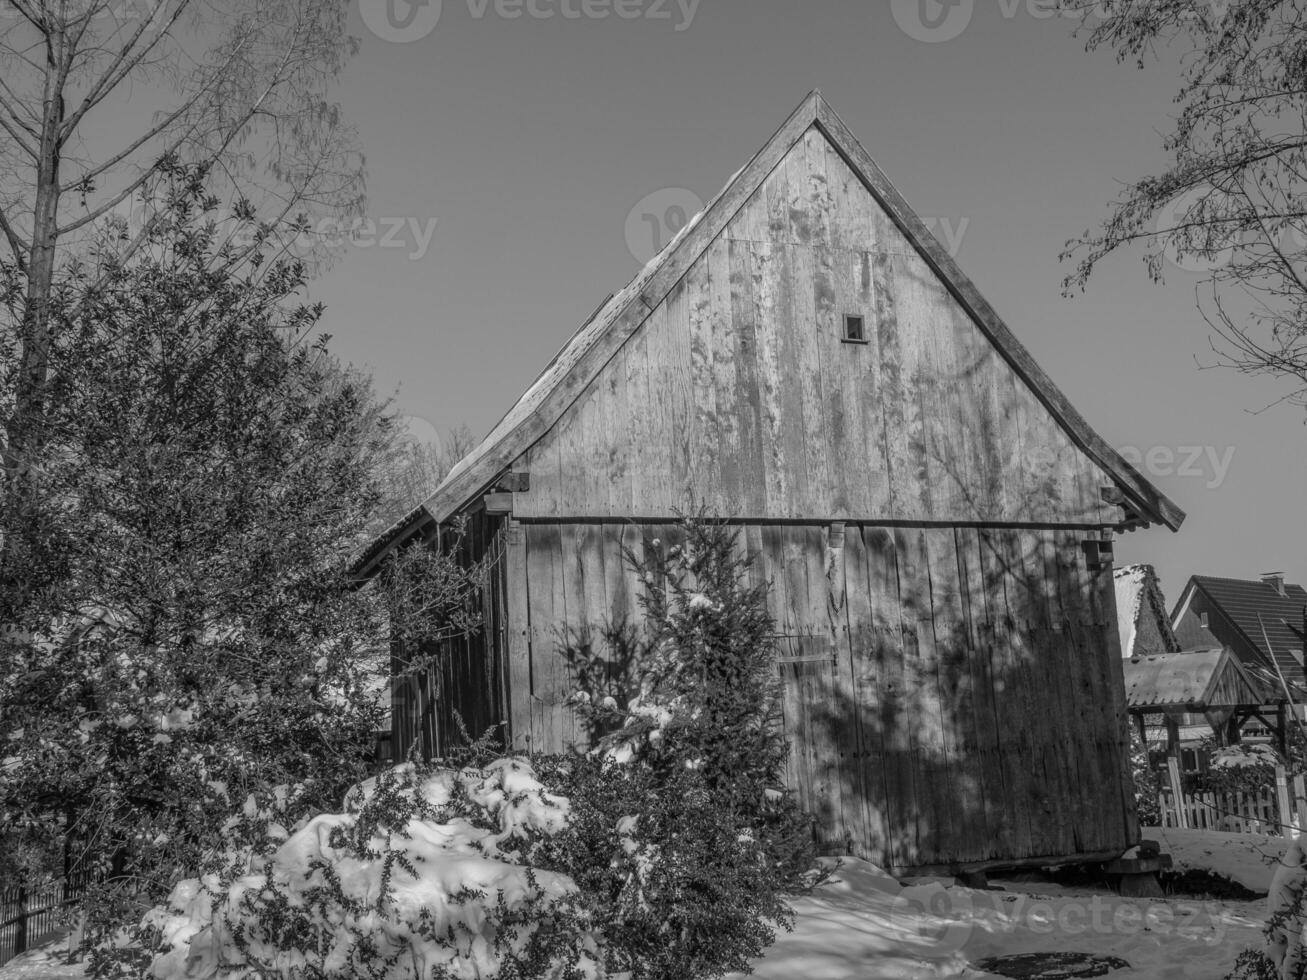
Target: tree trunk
25, 432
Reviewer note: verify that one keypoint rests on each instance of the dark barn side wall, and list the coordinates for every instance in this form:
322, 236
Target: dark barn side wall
460, 673
953, 695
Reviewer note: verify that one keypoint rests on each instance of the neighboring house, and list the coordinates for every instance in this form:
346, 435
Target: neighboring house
1187, 698
933, 515
1141, 615
1261, 621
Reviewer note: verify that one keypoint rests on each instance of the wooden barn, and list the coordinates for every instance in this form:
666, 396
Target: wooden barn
935, 519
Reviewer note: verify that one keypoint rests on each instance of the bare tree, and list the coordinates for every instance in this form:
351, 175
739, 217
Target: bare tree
414, 468
96, 96
1231, 204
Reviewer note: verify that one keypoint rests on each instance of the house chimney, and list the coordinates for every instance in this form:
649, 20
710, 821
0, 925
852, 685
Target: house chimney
1275, 580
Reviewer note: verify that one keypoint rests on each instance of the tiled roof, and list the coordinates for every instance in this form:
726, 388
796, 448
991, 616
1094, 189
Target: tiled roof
1245, 601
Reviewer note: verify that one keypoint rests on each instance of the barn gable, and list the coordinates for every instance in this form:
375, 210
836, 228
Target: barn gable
719, 376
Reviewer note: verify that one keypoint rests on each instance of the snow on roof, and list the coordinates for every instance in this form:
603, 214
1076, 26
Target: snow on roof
1138, 592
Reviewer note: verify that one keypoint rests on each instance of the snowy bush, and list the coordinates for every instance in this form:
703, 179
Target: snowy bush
1238, 768
427, 873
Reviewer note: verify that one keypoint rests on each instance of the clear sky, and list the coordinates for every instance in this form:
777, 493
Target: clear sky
510, 146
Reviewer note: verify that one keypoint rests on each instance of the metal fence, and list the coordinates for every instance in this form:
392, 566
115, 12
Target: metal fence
30, 916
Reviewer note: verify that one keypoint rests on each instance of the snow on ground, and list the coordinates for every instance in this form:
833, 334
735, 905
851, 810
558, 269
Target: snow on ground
45, 963
1249, 859
864, 924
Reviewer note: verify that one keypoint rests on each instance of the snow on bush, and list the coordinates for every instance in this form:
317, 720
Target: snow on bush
1243, 756
426, 873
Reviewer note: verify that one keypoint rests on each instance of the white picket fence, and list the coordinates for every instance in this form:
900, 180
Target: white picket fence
1277, 810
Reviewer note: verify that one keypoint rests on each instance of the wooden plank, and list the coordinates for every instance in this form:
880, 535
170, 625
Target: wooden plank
1069, 772
797, 185
806, 376
862, 688
918, 500
544, 461
726, 396
892, 395
704, 464
864, 387
654, 494
776, 191
613, 425
932, 774
1102, 654
895, 637
642, 471
1012, 700
546, 559
517, 596
820, 203
748, 403
969, 833
1044, 785
793, 337
985, 750
830, 372
750, 223
683, 433
831, 726
770, 290
931, 426
852, 225
979, 413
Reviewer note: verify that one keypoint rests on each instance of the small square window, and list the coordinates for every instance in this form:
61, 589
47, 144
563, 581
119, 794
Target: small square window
855, 329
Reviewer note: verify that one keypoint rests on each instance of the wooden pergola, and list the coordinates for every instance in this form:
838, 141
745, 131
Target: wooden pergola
1212, 683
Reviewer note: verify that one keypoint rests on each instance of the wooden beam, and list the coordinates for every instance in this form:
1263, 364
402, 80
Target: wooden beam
519, 482
972, 867
498, 504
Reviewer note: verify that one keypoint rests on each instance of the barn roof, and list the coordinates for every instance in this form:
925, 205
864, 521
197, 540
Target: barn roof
1251, 605
1193, 680
597, 340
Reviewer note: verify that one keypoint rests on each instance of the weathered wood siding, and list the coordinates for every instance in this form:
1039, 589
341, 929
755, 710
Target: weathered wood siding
739, 393
461, 674
953, 695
